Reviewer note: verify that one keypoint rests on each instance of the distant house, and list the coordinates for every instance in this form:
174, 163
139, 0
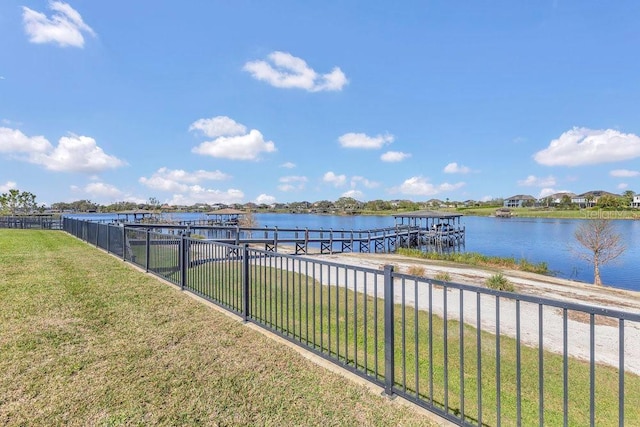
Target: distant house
636, 202
590, 198
556, 198
519, 201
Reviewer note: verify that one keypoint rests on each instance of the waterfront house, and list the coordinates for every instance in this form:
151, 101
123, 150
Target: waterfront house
556, 198
590, 198
519, 201
636, 201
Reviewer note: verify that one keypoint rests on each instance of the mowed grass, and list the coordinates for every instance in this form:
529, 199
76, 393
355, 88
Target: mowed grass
349, 326
85, 339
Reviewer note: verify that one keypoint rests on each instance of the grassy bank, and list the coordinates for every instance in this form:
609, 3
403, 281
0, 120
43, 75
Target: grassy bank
87, 340
349, 326
476, 259
590, 213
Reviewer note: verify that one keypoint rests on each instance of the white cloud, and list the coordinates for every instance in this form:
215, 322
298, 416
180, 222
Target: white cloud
186, 189
218, 126
364, 181
582, 146
356, 194
336, 180
265, 199
102, 191
549, 191
486, 198
76, 153
292, 183
178, 180
9, 185
546, 192
231, 140
622, 186
455, 168
14, 141
361, 140
394, 156
534, 181
197, 194
419, 186
73, 153
65, 27
287, 71
288, 165
624, 173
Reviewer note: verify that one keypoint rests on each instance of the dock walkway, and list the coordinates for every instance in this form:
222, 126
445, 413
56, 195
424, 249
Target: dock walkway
326, 241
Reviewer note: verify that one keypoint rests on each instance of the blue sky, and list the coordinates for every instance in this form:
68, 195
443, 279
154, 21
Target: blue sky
265, 101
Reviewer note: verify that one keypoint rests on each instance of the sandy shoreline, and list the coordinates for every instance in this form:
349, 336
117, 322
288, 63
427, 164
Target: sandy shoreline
578, 336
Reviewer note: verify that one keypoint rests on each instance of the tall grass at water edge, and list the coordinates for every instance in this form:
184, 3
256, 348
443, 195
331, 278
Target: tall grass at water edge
477, 259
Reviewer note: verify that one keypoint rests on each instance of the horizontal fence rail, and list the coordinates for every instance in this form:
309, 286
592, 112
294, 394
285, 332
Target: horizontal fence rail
472, 355
31, 222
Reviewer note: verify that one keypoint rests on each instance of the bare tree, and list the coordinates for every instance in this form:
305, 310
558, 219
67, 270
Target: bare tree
602, 244
248, 220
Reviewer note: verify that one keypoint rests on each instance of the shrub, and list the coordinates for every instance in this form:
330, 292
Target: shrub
500, 283
416, 270
443, 276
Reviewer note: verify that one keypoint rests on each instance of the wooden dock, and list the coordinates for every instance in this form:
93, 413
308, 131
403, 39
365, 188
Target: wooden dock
323, 241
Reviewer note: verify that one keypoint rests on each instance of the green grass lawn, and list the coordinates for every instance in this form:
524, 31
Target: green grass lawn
87, 340
344, 325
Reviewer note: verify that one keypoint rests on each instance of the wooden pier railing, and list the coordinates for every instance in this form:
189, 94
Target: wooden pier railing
306, 240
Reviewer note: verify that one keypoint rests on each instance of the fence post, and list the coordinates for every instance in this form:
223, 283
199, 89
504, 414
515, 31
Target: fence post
245, 283
147, 250
182, 260
108, 238
389, 342
124, 242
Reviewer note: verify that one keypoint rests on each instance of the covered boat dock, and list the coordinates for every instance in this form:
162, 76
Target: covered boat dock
433, 227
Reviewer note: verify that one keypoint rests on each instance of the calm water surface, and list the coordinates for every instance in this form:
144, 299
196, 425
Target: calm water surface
536, 239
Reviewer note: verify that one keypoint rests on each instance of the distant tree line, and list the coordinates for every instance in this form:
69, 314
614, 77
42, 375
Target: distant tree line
15, 201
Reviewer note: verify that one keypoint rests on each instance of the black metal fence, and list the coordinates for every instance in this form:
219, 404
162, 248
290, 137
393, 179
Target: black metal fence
472, 355
31, 221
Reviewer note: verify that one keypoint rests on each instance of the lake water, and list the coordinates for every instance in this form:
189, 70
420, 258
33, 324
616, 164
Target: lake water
535, 239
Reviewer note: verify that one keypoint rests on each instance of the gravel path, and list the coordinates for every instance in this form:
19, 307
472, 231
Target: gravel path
578, 328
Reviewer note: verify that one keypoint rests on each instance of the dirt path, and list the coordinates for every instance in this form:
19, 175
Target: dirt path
578, 331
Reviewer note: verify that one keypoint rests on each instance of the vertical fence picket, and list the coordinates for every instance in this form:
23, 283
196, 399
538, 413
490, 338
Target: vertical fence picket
389, 345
